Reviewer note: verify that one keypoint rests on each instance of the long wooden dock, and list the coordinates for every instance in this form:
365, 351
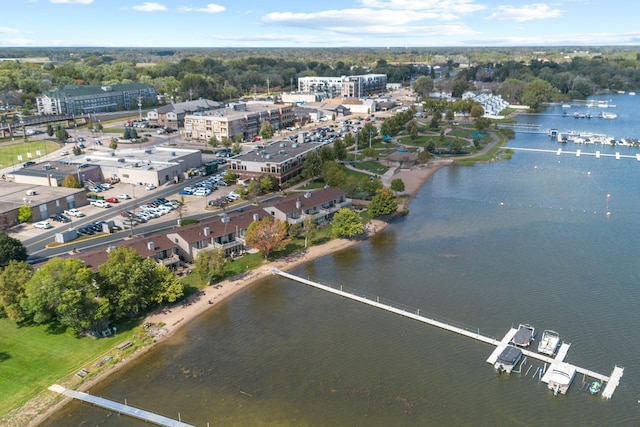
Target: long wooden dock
612, 382
120, 408
579, 152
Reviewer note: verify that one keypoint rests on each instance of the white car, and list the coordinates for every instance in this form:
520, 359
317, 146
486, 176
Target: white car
74, 212
150, 187
100, 204
202, 191
43, 225
123, 196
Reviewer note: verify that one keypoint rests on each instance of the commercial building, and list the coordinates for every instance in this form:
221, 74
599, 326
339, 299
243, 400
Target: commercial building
43, 201
86, 99
241, 120
359, 86
284, 160
172, 115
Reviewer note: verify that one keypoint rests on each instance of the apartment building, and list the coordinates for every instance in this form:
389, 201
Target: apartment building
240, 120
87, 99
359, 86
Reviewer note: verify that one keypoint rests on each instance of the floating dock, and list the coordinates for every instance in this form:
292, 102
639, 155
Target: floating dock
120, 408
612, 382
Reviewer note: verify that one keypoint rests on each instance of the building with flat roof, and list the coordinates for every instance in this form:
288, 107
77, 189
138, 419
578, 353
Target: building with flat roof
151, 165
242, 120
359, 86
88, 99
44, 201
172, 115
283, 160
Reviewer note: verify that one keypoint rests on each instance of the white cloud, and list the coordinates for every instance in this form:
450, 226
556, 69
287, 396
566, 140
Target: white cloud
71, 1
210, 8
149, 7
446, 7
9, 30
524, 13
349, 18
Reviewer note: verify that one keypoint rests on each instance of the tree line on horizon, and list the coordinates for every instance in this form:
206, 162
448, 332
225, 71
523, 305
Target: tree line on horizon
227, 74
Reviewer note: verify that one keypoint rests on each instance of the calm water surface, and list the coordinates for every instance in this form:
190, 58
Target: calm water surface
484, 247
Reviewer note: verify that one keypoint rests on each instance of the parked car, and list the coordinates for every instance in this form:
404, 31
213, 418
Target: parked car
43, 225
29, 163
150, 187
101, 203
129, 221
74, 212
126, 214
112, 200
203, 191
124, 196
106, 186
86, 231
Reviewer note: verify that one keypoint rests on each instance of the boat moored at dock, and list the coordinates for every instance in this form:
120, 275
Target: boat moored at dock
549, 342
561, 376
508, 359
524, 336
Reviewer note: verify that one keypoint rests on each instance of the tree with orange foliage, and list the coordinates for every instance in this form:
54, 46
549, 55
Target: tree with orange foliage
266, 235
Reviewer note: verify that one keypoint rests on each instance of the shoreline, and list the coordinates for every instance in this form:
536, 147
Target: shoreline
38, 409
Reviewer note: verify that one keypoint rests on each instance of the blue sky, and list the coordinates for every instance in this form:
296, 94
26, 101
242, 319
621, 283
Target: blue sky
323, 23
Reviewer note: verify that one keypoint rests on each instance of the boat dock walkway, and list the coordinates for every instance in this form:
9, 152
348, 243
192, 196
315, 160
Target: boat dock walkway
577, 153
612, 382
120, 408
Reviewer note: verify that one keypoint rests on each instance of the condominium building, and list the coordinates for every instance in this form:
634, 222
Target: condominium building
346, 86
242, 120
284, 160
86, 99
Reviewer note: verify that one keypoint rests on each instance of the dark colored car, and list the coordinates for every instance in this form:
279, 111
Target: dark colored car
29, 163
86, 231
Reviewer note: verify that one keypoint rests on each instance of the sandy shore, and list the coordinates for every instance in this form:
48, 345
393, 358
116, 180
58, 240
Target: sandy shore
38, 409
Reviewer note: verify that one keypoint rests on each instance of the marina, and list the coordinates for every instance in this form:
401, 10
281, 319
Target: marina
505, 357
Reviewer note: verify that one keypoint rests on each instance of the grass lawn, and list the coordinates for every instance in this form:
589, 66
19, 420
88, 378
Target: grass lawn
9, 151
32, 358
373, 167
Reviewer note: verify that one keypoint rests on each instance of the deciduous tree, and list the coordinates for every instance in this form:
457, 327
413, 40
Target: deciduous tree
383, 203
11, 249
346, 223
266, 235
13, 279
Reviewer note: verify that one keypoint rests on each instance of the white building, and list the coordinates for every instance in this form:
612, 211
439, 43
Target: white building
345, 86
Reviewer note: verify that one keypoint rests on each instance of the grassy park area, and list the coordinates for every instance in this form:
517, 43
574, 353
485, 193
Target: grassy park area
15, 153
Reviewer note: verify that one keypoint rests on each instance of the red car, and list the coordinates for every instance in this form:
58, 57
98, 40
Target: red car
112, 200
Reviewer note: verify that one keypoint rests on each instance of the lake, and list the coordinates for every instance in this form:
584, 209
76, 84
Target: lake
485, 247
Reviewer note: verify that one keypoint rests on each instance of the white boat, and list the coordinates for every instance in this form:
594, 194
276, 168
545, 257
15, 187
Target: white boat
562, 375
566, 105
609, 116
549, 342
632, 93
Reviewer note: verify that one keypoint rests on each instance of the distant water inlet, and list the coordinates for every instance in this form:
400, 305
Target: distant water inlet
556, 364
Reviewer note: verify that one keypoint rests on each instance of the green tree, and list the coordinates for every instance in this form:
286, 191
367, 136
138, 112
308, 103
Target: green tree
397, 185
423, 86
76, 150
268, 183
309, 229
24, 213
326, 153
457, 146
12, 289
213, 142
538, 92
61, 133
50, 130
70, 181
131, 283
339, 150
11, 249
229, 177
312, 165
477, 111
383, 203
266, 130
169, 288
236, 149
266, 235
333, 175
62, 291
413, 129
346, 223
113, 144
